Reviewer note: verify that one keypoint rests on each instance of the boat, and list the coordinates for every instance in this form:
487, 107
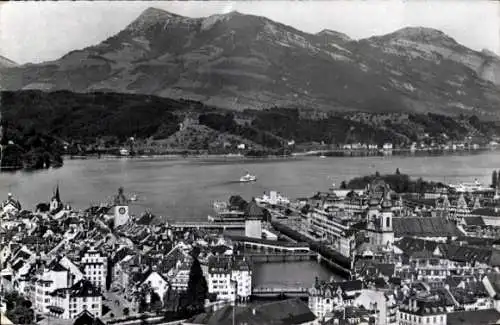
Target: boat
322, 156
248, 178
124, 152
133, 198
476, 186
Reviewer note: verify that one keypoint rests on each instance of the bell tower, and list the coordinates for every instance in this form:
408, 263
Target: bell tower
121, 208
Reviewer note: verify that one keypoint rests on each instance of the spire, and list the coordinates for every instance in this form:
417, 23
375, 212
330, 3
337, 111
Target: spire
56, 194
387, 202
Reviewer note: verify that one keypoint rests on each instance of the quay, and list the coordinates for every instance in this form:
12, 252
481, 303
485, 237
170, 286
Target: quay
207, 225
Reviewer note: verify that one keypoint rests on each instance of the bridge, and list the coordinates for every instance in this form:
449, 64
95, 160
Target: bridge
283, 291
269, 246
208, 225
279, 257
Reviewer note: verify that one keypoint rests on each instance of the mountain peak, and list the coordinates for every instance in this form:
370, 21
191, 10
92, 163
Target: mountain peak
417, 34
418, 31
335, 34
151, 16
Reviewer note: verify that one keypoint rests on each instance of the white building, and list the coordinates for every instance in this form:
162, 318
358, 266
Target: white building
229, 278
68, 303
51, 279
325, 297
157, 283
95, 268
179, 276
333, 225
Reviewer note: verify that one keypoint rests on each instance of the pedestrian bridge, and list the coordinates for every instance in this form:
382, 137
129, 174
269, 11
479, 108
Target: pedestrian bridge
280, 290
269, 246
208, 225
279, 256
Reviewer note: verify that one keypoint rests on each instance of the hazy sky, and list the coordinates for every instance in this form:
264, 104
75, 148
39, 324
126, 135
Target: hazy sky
41, 31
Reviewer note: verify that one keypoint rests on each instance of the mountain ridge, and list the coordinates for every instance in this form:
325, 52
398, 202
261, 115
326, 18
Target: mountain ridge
241, 61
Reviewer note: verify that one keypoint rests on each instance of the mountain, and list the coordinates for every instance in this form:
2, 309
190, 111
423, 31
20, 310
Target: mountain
6, 63
243, 61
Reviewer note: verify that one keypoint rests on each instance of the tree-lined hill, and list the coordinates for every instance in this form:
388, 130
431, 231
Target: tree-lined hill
38, 124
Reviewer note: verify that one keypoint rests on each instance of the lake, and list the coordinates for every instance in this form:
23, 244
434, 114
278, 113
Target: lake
184, 189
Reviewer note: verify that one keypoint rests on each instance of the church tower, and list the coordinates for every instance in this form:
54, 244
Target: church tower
121, 208
55, 202
379, 221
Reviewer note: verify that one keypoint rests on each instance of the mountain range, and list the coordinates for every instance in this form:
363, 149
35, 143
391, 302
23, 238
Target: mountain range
241, 61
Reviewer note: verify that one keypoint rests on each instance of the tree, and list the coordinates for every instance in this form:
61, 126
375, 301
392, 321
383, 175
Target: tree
126, 311
19, 309
343, 185
377, 174
494, 179
398, 172
197, 290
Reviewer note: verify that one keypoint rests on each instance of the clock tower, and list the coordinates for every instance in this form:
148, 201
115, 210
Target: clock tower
121, 215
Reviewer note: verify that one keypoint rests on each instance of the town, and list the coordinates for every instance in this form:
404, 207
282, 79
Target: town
400, 255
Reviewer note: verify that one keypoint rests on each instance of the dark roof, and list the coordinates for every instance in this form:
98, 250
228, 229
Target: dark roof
474, 317
145, 219
56, 267
412, 246
121, 254
474, 221
285, 312
371, 269
82, 288
222, 264
86, 318
424, 227
170, 261
18, 265
254, 211
489, 212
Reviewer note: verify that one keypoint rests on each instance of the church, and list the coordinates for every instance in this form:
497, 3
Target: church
10, 206
379, 232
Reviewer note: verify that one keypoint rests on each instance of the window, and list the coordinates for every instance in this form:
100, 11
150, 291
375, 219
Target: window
388, 222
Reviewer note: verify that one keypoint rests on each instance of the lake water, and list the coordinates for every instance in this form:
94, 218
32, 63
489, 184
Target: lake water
184, 189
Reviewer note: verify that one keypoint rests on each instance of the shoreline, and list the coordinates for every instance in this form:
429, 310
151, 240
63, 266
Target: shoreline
319, 154
294, 155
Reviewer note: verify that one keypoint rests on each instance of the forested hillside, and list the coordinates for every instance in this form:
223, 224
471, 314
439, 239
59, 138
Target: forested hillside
38, 124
